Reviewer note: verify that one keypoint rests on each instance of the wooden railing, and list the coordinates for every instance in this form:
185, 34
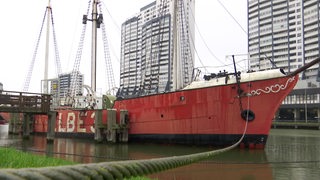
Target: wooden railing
23, 102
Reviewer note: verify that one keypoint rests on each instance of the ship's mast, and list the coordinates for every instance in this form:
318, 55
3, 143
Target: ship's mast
94, 45
174, 32
46, 64
176, 55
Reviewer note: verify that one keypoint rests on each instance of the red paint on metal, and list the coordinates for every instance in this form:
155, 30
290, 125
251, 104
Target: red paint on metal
211, 110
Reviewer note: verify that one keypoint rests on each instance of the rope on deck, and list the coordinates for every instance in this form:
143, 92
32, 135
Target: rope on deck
110, 170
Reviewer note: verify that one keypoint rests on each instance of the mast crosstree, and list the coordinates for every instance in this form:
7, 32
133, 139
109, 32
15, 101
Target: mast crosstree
97, 22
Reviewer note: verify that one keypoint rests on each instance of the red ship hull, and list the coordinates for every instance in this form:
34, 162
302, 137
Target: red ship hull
205, 116
208, 116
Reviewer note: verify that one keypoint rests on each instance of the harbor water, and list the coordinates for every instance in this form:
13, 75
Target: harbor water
289, 154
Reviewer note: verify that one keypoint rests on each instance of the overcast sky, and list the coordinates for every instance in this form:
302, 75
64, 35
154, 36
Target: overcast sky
21, 22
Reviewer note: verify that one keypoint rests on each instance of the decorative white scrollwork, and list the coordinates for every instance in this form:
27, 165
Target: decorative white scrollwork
273, 88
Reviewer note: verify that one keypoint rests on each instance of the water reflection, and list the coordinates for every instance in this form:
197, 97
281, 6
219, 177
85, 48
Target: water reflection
294, 154
289, 154
235, 164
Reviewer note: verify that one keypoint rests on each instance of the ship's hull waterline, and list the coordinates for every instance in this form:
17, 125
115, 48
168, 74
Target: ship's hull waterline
213, 115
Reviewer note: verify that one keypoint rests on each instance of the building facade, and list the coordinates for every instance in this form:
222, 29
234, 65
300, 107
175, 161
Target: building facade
151, 59
302, 104
285, 34
60, 87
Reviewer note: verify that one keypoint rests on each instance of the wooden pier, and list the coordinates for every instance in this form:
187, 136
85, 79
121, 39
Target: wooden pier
23, 102
28, 104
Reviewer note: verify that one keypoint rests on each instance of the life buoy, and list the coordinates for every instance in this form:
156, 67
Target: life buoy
248, 115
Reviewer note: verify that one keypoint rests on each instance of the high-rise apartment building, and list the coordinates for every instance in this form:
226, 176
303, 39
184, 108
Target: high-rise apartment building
60, 87
284, 33
156, 48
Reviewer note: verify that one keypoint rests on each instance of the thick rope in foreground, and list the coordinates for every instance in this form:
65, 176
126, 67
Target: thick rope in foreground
110, 170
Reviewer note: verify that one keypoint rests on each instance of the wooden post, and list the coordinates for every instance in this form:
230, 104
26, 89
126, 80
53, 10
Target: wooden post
49, 150
26, 125
52, 116
124, 121
97, 126
112, 123
14, 123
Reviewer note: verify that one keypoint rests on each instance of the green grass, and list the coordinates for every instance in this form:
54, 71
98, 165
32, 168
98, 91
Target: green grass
11, 158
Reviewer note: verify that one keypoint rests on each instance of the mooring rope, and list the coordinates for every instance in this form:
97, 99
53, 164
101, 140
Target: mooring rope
115, 169
109, 170
112, 170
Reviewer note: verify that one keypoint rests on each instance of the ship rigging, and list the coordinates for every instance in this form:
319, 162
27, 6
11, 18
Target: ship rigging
73, 91
212, 112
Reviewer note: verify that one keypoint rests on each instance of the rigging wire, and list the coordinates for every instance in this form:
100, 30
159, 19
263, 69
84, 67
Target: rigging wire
235, 20
204, 42
57, 56
221, 66
74, 39
114, 53
206, 45
26, 84
75, 71
109, 70
238, 63
113, 20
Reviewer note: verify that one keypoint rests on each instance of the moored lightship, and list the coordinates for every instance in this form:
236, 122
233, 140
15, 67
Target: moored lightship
208, 112
212, 112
